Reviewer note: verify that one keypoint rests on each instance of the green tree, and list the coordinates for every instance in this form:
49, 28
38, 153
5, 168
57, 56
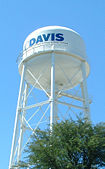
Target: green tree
71, 145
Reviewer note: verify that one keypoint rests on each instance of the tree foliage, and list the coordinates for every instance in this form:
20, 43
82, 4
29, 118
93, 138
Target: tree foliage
70, 145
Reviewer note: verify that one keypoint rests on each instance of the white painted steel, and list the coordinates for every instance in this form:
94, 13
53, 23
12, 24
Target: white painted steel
22, 125
15, 133
71, 105
85, 92
65, 66
77, 46
52, 111
21, 122
36, 105
68, 54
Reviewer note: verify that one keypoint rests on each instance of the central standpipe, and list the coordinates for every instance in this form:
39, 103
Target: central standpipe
52, 99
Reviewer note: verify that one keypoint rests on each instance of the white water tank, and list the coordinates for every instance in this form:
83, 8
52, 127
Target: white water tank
69, 50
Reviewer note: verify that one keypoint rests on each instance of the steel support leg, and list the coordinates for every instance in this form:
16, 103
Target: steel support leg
15, 133
22, 130
84, 92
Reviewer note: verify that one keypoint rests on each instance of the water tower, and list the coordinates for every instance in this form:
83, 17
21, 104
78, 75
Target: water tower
53, 67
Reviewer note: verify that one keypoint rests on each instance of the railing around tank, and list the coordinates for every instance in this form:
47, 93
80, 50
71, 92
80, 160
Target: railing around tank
45, 46
62, 46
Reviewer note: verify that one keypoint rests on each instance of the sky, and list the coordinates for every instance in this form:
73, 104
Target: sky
17, 20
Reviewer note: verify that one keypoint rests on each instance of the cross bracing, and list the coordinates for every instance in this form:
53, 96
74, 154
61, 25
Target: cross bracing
40, 107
